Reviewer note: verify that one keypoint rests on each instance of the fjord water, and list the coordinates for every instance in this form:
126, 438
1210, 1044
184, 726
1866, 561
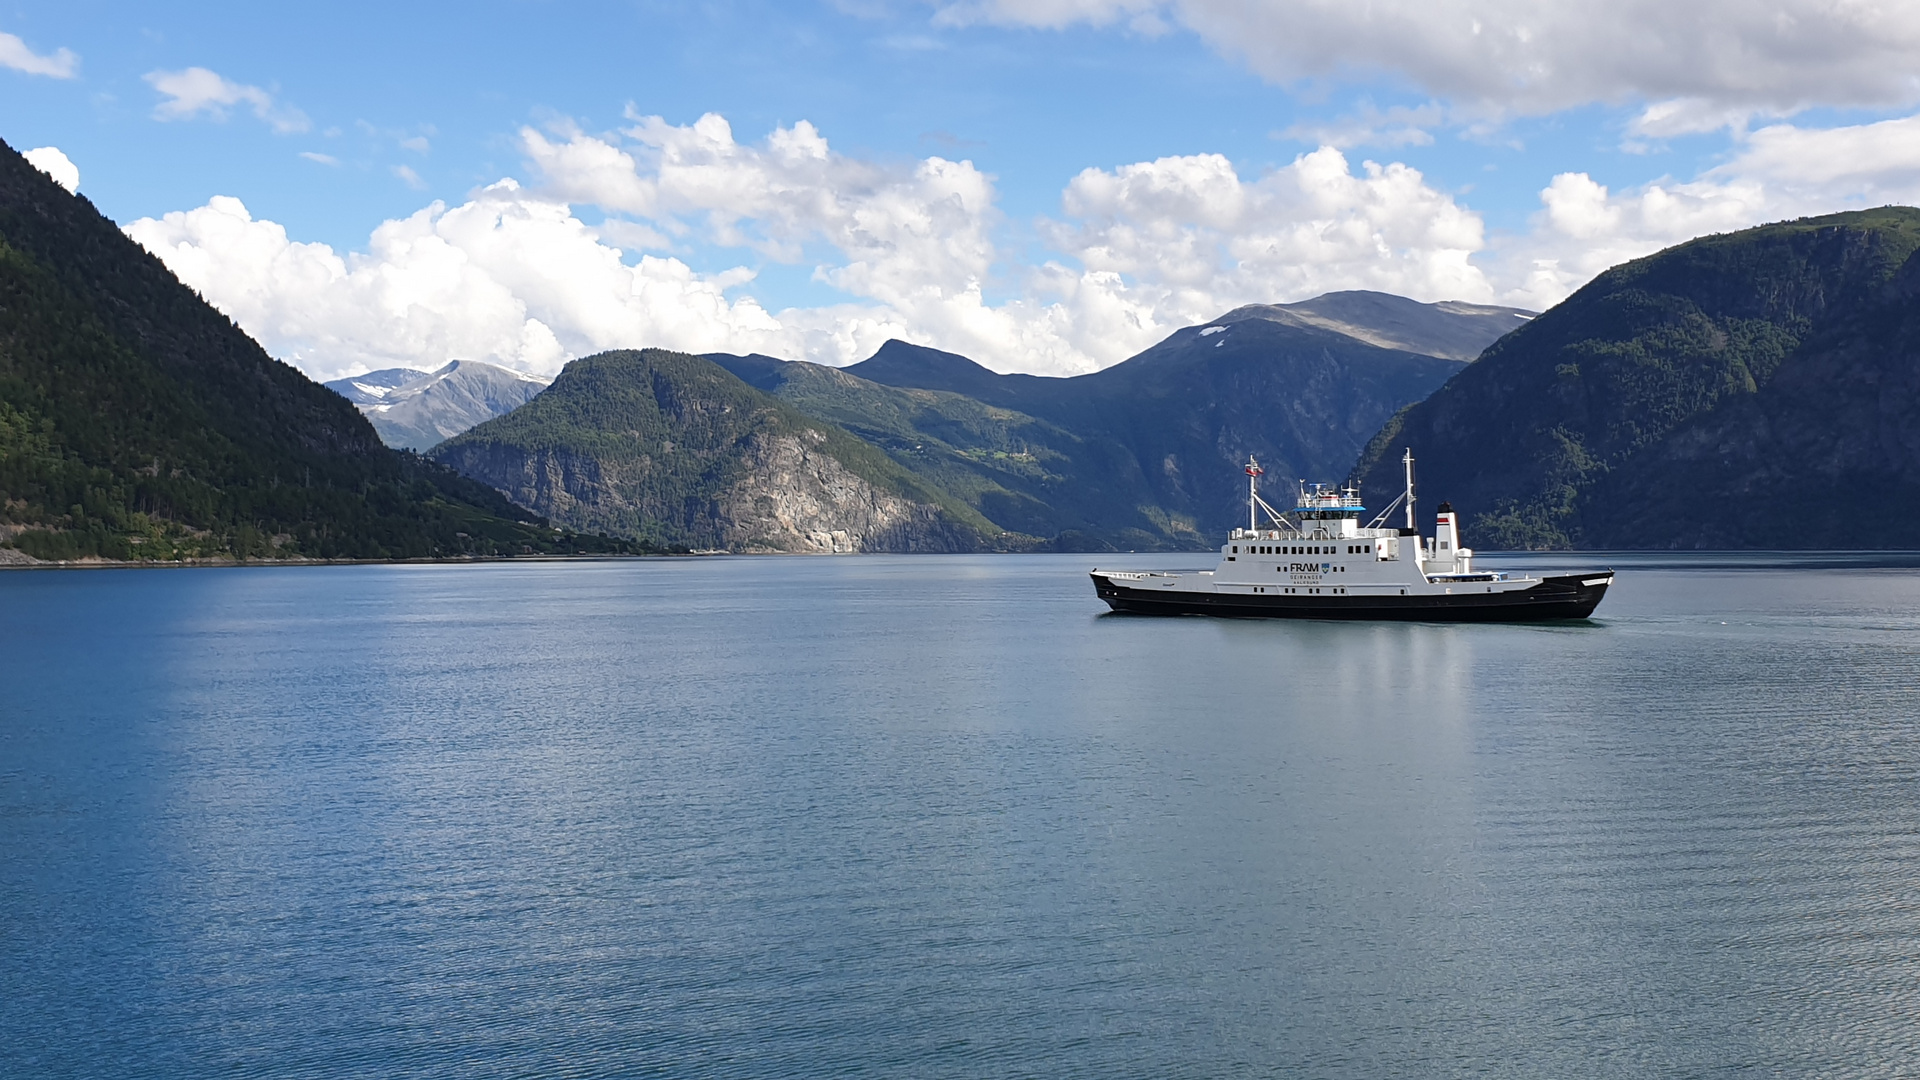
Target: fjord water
939, 816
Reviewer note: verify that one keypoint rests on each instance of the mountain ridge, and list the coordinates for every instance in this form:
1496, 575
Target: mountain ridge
1449, 329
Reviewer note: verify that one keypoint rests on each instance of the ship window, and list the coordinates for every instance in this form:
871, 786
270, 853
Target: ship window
1236, 549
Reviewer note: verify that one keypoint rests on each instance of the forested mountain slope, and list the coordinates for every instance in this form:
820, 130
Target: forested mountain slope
1727, 392
138, 422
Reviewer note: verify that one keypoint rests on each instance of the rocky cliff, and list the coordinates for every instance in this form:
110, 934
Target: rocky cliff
673, 449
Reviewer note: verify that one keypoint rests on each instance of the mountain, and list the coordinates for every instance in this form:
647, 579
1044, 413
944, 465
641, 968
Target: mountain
1026, 475
918, 367
1450, 329
137, 421
426, 410
1721, 393
1303, 400
1153, 446
373, 387
673, 449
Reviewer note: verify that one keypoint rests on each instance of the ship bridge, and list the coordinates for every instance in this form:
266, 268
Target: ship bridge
1324, 503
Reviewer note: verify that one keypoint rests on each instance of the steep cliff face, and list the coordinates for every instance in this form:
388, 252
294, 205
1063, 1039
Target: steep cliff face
796, 496
671, 448
791, 495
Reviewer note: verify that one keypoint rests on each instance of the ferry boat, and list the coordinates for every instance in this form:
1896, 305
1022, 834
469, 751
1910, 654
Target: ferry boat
1320, 562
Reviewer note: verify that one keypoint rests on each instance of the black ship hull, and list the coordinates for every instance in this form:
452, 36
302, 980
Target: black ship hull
1566, 597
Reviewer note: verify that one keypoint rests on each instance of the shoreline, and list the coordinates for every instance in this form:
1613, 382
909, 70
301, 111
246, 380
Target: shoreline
1737, 558
94, 563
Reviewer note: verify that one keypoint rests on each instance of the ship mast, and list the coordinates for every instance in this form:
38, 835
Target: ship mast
1413, 523
1253, 498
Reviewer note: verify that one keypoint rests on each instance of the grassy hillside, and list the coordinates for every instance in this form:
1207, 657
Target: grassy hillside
138, 422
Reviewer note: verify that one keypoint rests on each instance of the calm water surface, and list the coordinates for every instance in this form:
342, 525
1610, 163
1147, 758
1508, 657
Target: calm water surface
927, 817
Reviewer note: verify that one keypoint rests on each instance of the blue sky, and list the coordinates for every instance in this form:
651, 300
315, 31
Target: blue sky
324, 121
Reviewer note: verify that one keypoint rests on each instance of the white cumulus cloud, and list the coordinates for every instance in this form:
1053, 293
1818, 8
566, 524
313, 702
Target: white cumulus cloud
1194, 231
508, 277
15, 54
1540, 56
49, 160
516, 276
1779, 172
197, 91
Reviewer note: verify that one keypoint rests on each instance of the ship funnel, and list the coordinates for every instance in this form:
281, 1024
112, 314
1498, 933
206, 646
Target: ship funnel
1446, 539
